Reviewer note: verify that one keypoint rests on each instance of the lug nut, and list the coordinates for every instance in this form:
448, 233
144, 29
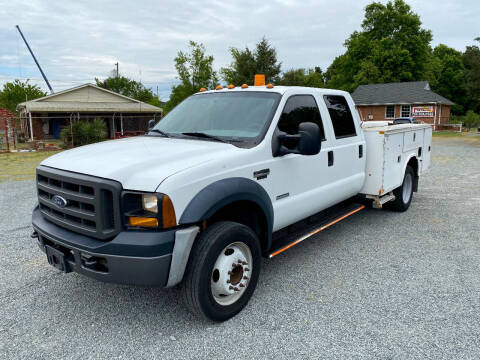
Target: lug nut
241, 285
229, 273
245, 278
244, 263
236, 289
228, 281
246, 269
240, 261
230, 288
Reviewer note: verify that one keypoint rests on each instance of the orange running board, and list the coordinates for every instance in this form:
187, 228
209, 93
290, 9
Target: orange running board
316, 231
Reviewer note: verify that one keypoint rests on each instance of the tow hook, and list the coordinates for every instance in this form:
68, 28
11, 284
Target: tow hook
34, 235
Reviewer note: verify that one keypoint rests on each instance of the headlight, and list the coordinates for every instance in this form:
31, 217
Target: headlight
148, 210
150, 203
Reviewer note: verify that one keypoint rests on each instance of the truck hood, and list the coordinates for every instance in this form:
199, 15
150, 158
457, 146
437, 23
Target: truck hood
138, 163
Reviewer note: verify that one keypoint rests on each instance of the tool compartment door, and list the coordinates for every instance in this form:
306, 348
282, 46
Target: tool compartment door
413, 139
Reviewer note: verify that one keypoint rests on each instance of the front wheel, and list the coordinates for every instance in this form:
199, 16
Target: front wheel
404, 193
223, 271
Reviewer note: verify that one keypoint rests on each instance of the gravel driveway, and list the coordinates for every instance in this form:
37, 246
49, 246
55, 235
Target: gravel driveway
378, 285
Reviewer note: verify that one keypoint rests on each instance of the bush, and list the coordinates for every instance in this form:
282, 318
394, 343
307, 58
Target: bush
84, 132
471, 119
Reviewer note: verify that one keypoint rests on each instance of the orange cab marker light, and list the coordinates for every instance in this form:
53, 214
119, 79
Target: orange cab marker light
259, 80
316, 231
203, 89
244, 86
219, 87
381, 132
231, 86
142, 221
269, 86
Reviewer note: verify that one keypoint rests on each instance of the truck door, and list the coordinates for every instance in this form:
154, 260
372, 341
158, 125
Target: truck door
297, 182
346, 156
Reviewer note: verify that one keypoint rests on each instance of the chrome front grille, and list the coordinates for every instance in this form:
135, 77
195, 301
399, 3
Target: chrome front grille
80, 203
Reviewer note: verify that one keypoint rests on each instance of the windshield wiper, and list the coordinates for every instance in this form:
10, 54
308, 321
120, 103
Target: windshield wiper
204, 135
160, 132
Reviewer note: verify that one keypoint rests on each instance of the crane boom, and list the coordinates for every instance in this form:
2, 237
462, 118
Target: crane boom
34, 58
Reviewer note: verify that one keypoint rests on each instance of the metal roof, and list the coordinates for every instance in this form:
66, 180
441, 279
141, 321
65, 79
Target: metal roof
87, 98
414, 92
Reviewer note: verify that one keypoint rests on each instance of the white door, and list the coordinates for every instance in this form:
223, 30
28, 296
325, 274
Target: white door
296, 181
346, 170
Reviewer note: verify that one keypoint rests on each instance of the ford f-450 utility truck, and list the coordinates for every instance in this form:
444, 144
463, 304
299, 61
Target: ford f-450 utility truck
228, 176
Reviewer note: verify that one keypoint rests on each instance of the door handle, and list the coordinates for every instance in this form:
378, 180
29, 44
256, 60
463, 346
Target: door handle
360, 151
330, 158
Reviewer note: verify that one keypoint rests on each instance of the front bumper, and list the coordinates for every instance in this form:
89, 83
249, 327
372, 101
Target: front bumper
132, 257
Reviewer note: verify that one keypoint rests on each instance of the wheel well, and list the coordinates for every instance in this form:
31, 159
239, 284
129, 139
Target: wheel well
413, 163
247, 213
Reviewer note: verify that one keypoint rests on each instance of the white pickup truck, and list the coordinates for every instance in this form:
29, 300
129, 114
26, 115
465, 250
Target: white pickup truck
226, 177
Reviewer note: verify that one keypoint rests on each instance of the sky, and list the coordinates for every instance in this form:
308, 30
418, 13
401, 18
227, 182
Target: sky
76, 41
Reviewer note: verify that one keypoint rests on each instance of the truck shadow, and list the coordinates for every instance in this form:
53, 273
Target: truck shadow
108, 304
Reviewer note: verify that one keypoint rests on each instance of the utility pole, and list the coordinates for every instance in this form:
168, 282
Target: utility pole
35, 59
116, 64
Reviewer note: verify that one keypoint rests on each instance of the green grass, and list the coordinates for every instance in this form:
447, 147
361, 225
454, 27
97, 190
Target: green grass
21, 166
471, 135
55, 142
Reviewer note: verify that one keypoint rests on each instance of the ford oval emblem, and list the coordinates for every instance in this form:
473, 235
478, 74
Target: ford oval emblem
59, 201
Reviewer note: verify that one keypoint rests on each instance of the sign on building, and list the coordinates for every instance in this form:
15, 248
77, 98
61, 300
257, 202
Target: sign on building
423, 111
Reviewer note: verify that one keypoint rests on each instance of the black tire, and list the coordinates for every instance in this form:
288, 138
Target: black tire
400, 204
197, 287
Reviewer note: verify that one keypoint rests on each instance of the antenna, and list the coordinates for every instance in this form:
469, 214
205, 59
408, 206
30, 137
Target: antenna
34, 58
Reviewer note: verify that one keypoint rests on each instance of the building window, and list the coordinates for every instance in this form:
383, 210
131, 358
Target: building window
389, 111
405, 111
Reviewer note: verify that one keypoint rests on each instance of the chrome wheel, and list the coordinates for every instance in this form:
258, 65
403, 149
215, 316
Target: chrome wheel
231, 273
407, 188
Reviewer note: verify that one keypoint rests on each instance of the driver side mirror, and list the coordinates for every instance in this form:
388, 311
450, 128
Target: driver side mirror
308, 140
151, 124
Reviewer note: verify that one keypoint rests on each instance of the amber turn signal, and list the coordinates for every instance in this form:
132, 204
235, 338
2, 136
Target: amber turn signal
142, 221
231, 86
168, 213
219, 87
269, 86
203, 89
244, 86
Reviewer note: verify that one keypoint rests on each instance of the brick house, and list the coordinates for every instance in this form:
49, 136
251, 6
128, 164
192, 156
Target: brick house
43, 118
380, 102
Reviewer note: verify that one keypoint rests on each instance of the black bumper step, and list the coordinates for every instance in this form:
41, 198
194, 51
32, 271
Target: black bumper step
296, 233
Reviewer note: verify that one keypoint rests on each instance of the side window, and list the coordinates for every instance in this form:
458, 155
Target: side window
342, 119
298, 109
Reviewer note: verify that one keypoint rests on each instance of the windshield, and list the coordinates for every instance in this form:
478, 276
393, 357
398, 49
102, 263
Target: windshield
234, 116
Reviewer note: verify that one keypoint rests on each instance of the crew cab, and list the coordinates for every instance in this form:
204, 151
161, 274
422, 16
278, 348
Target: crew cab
228, 176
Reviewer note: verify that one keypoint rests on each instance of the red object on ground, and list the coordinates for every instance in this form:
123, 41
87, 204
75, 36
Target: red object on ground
7, 124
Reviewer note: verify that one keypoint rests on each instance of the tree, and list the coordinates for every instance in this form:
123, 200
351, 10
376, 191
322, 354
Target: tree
195, 71
129, 87
247, 63
471, 119
471, 62
18, 91
391, 47
447, 75
302, 77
